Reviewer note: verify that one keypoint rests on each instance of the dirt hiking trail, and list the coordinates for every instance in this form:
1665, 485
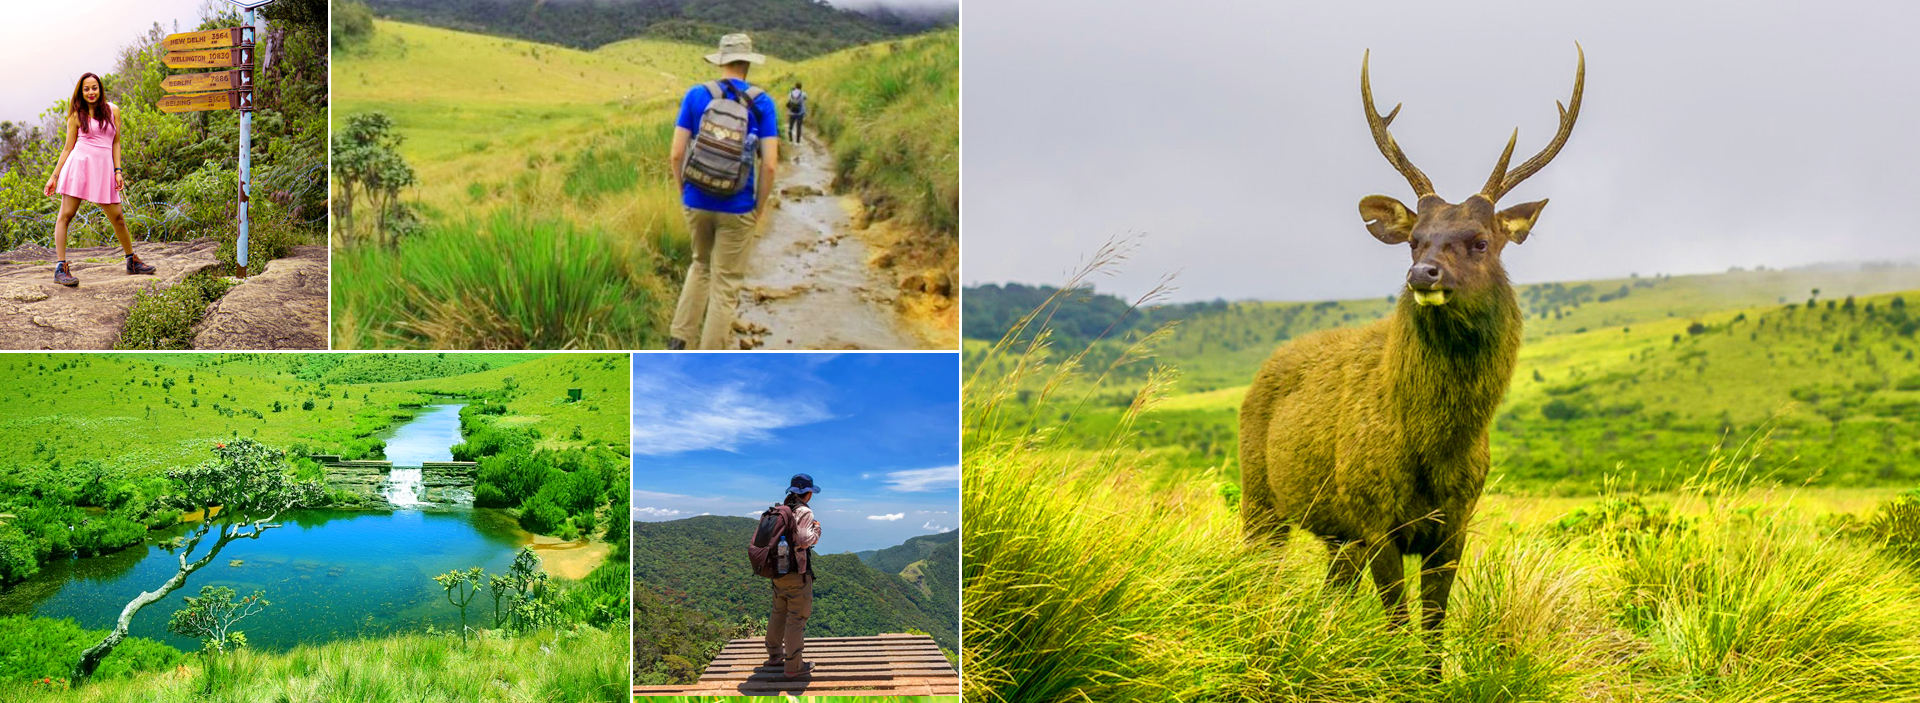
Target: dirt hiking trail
809, 282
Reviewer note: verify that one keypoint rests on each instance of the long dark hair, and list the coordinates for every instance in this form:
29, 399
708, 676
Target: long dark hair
79, 106
793, 500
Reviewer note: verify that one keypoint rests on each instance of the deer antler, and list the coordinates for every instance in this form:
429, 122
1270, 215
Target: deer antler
1500, 182
1384, 139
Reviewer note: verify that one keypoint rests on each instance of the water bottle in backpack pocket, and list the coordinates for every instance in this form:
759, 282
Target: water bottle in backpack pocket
720, 157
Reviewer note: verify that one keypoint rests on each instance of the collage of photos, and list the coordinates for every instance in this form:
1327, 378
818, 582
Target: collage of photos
620, 351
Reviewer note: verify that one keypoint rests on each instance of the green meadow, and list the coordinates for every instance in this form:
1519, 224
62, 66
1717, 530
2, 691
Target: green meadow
1703, 490
542, 214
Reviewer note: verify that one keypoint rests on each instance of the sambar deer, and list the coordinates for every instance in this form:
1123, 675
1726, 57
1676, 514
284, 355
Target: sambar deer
1375, 438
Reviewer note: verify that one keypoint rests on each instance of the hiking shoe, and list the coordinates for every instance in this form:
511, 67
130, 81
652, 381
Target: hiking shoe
806, 670
62, 277
138, 266
676, 344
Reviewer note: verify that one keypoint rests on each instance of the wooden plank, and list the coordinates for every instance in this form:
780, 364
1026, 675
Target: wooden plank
218, 58
869, 638
937, 666
828, 675
209, 80
835, 659
932, 690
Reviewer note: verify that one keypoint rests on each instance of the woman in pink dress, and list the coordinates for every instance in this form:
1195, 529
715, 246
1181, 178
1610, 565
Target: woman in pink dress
89, 169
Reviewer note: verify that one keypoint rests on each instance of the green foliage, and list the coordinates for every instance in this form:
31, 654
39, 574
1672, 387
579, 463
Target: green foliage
460, 589
668, 638
38, 648
163, 318
1896, 525
894, 559
367, 164
352, 24
892, 113
506, 282
210, 618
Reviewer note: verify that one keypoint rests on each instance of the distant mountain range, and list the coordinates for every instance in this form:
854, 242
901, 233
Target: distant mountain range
789, 29
700, 563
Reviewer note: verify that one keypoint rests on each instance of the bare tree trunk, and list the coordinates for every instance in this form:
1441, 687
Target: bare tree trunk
90, 659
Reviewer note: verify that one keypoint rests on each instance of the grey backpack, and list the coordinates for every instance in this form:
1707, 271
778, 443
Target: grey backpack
719, 161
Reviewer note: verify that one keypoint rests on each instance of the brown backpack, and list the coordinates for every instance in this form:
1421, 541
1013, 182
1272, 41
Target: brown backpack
719, 161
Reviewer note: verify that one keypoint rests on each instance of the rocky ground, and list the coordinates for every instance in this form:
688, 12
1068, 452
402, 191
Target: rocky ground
283, 308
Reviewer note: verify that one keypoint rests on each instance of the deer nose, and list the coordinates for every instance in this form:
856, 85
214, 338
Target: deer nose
1423, 275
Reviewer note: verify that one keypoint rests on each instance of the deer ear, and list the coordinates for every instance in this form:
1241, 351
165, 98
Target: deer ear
1518, 220
1387, 220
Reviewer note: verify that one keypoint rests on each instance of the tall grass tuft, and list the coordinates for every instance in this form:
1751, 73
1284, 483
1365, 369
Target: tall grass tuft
509, 281
1084, 582
583, 666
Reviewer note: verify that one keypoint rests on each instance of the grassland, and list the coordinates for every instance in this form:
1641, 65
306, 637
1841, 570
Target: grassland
1635, 387
149, 412
1727, 585
569, 666
548, 218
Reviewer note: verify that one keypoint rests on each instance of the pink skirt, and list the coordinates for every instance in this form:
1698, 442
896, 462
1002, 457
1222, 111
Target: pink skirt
88, 176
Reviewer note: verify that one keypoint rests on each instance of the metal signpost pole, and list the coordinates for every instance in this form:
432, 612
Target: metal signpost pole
246, 166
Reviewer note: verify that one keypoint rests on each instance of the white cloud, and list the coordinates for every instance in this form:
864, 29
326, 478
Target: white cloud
656, 497
655, 512
671, 416
935, 528
918, 480
864, 477
889, 517
756, 513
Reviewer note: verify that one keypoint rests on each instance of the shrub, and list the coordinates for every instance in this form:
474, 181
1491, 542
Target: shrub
164, 318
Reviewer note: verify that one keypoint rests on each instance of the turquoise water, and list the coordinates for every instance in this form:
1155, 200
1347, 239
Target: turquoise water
329, 574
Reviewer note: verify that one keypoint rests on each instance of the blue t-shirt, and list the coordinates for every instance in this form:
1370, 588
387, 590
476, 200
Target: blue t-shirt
765, 124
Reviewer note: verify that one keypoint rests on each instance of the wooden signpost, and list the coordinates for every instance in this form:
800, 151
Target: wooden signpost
224, 100
212, 80
217, 58
230, 48
210, 39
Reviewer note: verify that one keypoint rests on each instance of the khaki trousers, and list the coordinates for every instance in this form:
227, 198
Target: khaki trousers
704, 317
787, 629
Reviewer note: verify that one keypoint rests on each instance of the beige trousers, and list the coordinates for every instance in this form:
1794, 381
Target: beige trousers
704, 317
787, 629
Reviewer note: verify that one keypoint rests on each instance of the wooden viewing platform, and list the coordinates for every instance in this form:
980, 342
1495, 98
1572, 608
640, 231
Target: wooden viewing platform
888, 665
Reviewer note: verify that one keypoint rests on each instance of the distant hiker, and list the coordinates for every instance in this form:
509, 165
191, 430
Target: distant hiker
89, 169
782, 549
796, 109
725, 127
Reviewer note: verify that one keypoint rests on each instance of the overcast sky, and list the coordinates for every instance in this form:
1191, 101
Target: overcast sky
1230, 135
45, 46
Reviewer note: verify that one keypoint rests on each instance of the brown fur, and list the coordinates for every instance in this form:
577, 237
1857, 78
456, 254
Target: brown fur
1375, 438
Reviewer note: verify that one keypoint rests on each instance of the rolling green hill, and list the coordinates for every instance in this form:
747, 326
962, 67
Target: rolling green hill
1638, 385
701, 563
895, 559
788, 28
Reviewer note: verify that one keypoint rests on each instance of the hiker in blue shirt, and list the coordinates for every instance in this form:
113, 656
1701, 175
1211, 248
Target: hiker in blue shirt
711, 142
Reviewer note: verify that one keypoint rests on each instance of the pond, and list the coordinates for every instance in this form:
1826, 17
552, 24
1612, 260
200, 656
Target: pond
329, 574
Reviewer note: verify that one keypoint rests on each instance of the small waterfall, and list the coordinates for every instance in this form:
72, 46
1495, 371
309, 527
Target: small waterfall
404, 487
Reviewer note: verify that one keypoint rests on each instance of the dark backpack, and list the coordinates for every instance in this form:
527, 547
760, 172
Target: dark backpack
796, 102
764, 549
719, 161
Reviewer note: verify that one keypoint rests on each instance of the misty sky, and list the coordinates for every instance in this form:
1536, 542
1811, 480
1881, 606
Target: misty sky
45, 46
1230, 136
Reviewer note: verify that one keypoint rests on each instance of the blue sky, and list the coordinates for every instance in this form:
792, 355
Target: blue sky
722, 434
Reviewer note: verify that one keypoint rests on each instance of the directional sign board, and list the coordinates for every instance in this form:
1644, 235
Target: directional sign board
210, 39
217, 58
210, 80
226, 100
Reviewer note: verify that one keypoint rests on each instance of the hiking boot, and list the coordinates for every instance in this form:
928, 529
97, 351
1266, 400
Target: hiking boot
806, 670
62, 277
676, 344
137, 266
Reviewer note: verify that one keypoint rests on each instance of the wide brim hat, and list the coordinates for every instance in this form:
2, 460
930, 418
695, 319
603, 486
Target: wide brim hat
735, 47
802, 483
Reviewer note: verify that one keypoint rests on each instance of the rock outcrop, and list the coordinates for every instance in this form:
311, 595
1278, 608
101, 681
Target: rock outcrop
36, 313
284, 307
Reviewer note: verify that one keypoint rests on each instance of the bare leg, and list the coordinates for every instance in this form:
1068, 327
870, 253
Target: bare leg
119, 221
68, 206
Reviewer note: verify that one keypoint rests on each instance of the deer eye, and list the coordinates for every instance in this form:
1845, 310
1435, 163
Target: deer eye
1479, 245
